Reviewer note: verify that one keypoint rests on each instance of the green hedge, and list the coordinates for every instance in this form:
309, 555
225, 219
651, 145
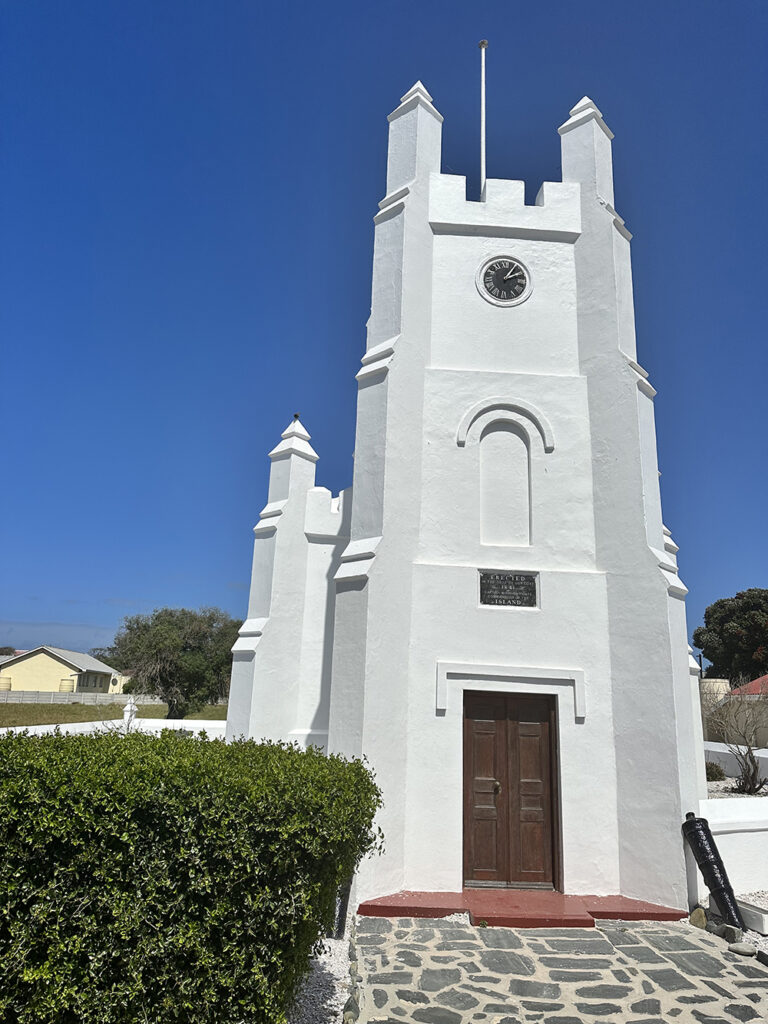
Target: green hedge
150, 879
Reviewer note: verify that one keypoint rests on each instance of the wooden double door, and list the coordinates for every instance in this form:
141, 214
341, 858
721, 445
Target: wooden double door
511, 832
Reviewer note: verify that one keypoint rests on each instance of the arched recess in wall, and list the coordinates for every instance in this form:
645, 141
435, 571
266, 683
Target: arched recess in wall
510, 435
505, 484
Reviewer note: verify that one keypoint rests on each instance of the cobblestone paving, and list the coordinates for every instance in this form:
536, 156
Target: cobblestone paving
447, 972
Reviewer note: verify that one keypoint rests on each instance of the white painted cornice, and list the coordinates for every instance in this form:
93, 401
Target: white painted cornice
618, 222
295, 441
669, 544
377, 359
395, 196
641, 379
357, 559
359, 549
248, 637
268, 518
296, 429
584, 111
417, 96
675, 586
392, 204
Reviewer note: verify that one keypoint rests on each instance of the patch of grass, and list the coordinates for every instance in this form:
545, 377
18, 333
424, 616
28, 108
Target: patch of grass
213, 712
53, 714
152, 710
59, 714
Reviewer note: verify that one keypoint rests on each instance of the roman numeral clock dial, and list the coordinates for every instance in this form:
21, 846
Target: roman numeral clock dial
504, 281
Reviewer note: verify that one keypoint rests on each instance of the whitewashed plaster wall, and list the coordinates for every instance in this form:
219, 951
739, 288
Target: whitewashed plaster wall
281, 672
553, 391
370, 701
740, 828
722, 755
440, 368
652, 693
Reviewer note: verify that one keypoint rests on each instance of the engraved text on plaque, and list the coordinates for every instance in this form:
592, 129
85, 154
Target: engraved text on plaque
508, 588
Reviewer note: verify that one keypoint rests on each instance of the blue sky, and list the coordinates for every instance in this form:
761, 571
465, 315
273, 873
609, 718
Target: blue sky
165, 164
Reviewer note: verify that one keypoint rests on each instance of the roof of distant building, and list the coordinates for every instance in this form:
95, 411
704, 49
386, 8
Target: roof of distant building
82, 662
754, 689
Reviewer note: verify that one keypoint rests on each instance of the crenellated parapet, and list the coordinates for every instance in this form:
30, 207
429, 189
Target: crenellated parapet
555, 217
327, 517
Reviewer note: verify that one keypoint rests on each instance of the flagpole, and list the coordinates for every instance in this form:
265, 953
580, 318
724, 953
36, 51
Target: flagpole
483, 44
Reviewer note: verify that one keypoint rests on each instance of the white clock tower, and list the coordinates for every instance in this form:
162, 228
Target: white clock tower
492, 615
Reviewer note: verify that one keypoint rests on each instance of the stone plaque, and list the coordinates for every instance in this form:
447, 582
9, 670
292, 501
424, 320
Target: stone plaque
510, 588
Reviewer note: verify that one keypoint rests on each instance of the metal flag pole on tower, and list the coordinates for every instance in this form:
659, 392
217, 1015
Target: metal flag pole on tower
483, 44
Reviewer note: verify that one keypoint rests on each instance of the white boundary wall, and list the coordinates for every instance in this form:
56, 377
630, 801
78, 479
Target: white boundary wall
720, 753
739, 825
213, 728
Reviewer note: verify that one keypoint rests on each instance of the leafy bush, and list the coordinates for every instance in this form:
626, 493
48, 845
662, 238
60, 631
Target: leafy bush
158, 879
714, 772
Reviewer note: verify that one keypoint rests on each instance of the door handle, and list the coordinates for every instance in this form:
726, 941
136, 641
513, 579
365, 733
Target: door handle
496, 787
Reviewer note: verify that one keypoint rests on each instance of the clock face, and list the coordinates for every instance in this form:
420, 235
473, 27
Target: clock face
503, 281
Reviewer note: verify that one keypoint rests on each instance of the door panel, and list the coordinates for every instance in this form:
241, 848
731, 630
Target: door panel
530, 770
509, 829
486, 818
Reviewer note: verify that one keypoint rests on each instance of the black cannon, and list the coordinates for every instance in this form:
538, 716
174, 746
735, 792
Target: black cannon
699, 837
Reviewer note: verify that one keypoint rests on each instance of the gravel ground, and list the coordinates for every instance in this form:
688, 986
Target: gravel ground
758, 941
325, 990
755, 938
718, 790
760, 899
757, 899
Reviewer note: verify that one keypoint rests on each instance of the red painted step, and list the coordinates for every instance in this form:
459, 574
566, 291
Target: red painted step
519, 908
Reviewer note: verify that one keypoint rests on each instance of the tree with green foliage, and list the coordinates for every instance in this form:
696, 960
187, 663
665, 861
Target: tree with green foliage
181, 655
8, 650
734, 636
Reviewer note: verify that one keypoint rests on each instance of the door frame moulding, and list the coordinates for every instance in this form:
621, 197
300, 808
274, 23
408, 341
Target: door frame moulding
453, 678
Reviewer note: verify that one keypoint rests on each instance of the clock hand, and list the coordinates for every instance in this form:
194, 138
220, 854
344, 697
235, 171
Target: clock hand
511, 273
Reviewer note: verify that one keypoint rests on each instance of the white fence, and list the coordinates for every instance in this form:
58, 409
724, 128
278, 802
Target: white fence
739, 825
55, 697
720, 753
214, 729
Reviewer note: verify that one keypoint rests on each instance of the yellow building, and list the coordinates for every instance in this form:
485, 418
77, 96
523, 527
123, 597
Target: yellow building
53, 669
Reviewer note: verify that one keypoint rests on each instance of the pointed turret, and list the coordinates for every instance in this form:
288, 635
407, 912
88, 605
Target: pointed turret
415, 134
295, 441
586, 149
293, 462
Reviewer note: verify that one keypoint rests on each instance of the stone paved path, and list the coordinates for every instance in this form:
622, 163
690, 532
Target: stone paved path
447, 972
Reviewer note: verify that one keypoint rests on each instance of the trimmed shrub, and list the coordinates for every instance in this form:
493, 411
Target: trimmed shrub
150, 879
714, 772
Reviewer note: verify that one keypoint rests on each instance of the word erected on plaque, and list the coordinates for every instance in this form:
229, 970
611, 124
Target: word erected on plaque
511, 588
